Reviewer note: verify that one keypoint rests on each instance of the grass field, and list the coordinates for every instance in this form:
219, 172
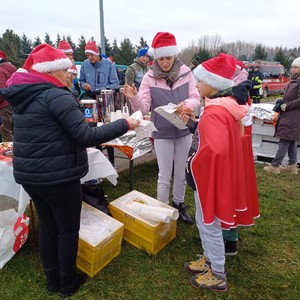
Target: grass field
267, 265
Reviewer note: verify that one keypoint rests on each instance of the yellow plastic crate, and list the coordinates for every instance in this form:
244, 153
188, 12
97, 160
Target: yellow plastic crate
149, 236
100, 240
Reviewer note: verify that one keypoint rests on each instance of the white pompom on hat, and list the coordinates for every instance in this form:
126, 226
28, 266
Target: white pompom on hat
217, 72
296, 62
91, 47
45, 58
163, 45
65, 47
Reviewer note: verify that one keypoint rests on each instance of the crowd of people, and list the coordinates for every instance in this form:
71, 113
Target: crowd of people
44, 98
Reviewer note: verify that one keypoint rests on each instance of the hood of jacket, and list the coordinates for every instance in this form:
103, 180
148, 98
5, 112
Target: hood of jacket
23, 88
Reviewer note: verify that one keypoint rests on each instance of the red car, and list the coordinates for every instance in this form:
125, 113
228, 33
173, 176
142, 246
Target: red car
275, 77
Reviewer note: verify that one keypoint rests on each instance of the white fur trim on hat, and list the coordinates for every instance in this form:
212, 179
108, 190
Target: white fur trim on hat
91, 51
296, 62
51, 66
164, 51
217, 82
67, 50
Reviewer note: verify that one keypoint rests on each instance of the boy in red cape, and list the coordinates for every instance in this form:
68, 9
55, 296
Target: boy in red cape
218, 168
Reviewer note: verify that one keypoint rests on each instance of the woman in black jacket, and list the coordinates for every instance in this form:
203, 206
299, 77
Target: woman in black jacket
50, 157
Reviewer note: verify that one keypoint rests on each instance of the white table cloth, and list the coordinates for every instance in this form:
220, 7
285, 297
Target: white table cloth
99, 167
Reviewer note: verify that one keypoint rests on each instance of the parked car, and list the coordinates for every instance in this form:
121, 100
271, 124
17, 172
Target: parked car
275, 77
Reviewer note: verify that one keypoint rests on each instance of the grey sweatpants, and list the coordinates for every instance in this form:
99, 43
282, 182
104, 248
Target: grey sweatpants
171, 152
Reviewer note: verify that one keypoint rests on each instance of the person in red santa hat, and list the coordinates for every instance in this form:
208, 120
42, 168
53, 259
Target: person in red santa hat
231, 236
217, 168
73, 83
50, 158
6, 70
241, 73
65, 47
168, 81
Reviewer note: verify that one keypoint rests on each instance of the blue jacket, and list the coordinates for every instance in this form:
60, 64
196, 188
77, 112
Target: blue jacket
101, 75
51, 134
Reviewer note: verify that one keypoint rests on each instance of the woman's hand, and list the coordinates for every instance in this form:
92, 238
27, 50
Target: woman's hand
129, 90
133, 123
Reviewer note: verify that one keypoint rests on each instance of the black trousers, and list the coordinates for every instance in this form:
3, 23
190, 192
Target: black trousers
58, 208
255, 96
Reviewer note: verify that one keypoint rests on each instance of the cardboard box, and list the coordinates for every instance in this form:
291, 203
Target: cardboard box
150, 236
100, 239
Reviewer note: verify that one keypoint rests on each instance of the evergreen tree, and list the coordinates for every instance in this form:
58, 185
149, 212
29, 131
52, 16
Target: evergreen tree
260, 53
58, 39
127, 53
79, 54
203, 54
141, 44
47, 39
72, 44
108, 48
115, 51
10, 43
26, 45
37, 41
282, 58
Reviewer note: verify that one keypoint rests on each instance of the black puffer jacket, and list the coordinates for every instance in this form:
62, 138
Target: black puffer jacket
51, 135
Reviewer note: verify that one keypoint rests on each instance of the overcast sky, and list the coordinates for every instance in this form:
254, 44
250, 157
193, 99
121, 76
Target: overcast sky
270, 22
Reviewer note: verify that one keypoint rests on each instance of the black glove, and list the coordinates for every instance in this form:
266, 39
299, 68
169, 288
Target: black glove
277, 105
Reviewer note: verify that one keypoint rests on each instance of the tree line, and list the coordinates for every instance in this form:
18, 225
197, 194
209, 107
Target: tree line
18, 48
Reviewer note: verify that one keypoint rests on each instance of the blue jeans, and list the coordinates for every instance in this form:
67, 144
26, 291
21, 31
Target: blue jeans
285, 147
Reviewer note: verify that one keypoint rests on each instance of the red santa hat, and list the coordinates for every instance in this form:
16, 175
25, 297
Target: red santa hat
65, 46
217, 72
240, 65
73, 70
164, 44
45, 58
3, 55
91, 47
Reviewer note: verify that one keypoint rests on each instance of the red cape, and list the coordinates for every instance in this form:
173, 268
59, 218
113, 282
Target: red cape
218, 167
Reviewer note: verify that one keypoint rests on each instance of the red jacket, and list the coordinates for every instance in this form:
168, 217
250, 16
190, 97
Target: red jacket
6, 70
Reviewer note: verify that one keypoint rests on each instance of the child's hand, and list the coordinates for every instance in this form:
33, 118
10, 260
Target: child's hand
185, 117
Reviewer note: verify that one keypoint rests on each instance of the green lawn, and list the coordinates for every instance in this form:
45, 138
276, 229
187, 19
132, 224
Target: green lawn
267, 265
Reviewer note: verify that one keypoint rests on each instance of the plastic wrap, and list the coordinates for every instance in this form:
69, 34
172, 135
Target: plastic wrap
263, 111
96, 227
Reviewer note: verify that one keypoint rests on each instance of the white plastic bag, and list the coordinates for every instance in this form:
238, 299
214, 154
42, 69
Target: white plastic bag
13, 234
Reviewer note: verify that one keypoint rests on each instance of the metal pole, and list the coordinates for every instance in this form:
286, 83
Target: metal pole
102, 36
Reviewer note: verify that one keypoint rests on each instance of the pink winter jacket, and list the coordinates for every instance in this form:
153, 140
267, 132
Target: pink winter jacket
155, 92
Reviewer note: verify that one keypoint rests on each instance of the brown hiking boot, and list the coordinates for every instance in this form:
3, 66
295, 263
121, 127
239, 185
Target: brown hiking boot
272, 169
291, 169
